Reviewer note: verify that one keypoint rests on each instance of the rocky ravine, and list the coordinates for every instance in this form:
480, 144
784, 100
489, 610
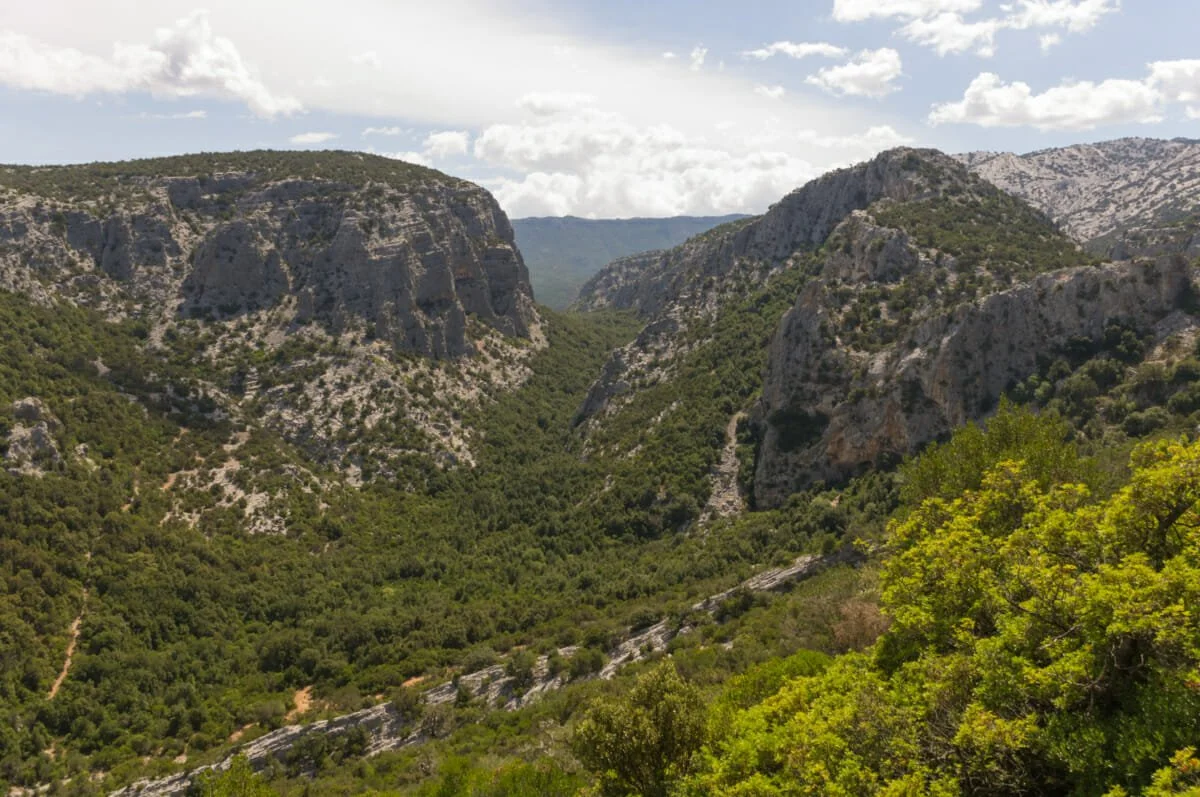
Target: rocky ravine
1104, 193
385, 727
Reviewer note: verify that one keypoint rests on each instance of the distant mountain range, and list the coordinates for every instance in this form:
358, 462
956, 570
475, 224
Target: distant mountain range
563, 253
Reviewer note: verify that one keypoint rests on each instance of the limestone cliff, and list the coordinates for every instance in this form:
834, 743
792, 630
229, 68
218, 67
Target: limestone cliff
684, 287
1127, 197
345, 240
828, 410
300, 285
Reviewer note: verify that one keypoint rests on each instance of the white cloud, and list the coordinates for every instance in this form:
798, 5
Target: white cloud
1077, 16
1178, 81
697, 58
1048, 41
949, 33
989, 102
668, 55
370, 59
870, 74
408, 157
1082, 105
940, 25
386, 131
598, 163
548, 103
860, 10
797, 50
446, 144
312, 138
770, 92
874, 140
544, 53
182, 61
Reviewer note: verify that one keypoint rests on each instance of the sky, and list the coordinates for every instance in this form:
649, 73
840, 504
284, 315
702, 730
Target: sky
598, 109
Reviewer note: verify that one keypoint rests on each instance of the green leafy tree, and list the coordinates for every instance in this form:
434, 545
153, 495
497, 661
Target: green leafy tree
237, 781
641, 743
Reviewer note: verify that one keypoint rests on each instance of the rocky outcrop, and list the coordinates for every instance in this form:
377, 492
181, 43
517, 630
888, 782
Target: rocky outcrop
32, 447
407, 259
826, 413
1105, 194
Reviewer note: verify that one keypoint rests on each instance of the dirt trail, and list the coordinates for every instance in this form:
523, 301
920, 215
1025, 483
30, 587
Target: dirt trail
303, 701
66, 668
726, 499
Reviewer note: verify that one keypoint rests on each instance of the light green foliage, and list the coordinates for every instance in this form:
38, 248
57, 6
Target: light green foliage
237, 781
1042, 641
643, 742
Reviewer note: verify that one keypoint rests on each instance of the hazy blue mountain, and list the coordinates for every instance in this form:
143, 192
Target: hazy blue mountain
563, 252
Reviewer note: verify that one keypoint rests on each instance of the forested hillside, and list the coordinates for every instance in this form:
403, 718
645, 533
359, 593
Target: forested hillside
891, 490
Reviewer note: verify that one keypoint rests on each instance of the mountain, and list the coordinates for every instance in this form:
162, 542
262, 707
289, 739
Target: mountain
305, 282
562, 253
271, 523
1121, 198
921, 295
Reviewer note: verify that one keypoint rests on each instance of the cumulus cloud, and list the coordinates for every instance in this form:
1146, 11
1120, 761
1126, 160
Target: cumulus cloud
697, 58
1077, 16
312, 138
796, 50
874, 140
770, 92
990, 102
860, 10
408, 157
950, 33
871, 73
1177, 81
1082, 105
941, 26
183, 60
598, 163
446, 144
1048, 41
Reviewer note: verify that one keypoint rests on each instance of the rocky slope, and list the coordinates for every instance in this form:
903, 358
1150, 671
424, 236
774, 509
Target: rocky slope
301, 283
924, 294
1111, 195
684, 287
829, 409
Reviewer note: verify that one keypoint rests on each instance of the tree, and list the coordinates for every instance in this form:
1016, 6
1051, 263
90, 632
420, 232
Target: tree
643, 742
237, 781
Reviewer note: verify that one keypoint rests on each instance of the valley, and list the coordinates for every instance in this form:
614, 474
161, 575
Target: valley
303, 491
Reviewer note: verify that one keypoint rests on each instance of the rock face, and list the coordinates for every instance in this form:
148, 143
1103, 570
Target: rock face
676, 289
1107, 194
827, 415
347, 243
32, 446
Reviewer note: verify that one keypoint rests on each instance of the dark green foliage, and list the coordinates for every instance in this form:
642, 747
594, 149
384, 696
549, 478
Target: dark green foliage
94, 181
